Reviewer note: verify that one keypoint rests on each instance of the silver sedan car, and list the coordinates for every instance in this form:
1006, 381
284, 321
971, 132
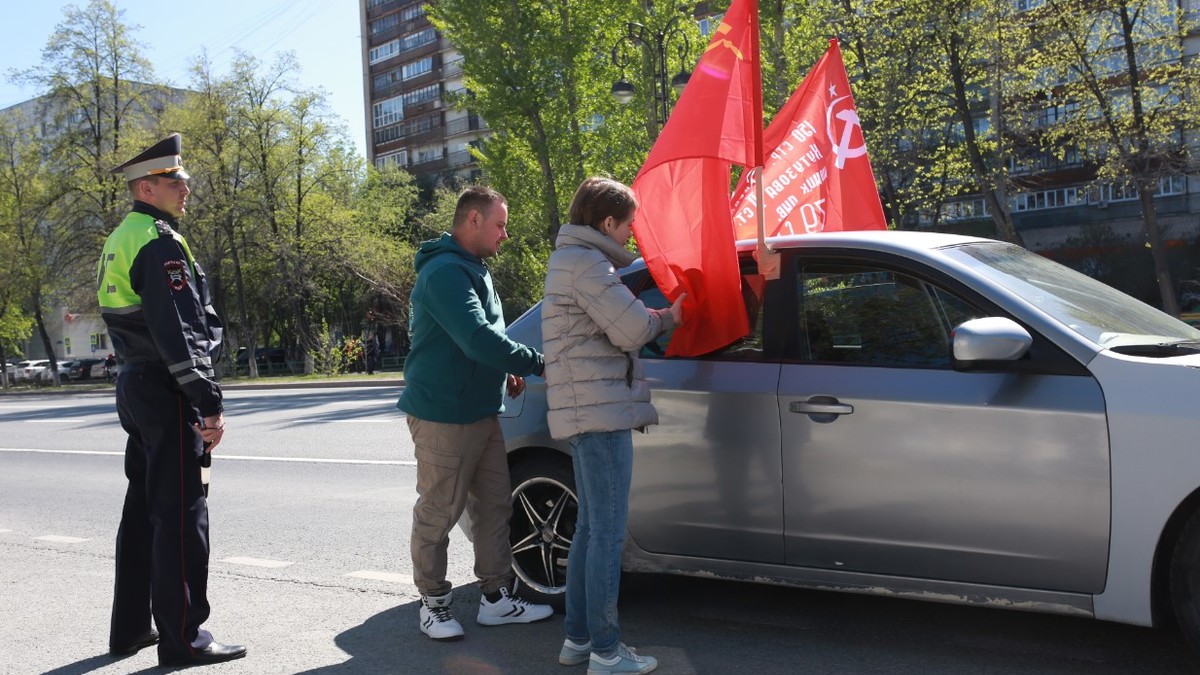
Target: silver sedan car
913, 414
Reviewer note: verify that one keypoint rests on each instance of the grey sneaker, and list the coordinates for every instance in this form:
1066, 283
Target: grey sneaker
436, 620
624, 662
573, 654
509, 609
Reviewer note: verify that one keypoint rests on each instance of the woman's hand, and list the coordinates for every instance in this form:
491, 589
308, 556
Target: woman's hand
677, 309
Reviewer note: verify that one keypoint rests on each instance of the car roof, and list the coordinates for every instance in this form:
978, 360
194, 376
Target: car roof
878, 240
885, 241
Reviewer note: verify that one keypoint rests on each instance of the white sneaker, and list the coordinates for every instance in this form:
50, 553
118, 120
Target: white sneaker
626, 661
509, 609
436, 620
574, 653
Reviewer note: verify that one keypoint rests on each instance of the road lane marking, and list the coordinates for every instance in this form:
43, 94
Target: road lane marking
2, 531
257, 562
251, 458
61, 420
382, 576
58, 539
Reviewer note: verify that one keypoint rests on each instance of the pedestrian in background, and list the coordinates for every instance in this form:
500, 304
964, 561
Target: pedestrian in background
155, 301
592, 330
459, 368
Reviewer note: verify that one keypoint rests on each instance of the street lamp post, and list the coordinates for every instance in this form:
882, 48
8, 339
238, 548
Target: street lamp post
656, 46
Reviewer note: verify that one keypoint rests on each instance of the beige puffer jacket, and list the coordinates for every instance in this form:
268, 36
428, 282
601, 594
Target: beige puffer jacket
592, 329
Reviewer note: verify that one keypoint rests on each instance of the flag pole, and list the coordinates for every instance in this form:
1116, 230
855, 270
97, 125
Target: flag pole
768, 259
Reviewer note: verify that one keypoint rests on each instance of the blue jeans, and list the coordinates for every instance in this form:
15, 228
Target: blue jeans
603, 470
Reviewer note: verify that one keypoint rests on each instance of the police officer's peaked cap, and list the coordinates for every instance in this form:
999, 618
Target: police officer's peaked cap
161, 159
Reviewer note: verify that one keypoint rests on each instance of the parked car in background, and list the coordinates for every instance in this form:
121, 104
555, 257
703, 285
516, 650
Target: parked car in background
912, 414
82, 368
46, 375
106, 369
269, 360
28, 370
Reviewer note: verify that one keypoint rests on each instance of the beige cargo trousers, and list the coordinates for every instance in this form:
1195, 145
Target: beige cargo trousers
460, 466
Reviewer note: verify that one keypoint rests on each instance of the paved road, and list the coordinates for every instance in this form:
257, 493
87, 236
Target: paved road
310, 505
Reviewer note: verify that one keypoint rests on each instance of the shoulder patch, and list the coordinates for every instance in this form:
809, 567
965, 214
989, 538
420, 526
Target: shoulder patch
177, 276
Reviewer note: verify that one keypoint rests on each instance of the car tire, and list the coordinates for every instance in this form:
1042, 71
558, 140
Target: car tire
1185, 580
542, 525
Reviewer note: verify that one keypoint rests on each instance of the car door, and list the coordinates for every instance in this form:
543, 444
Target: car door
706, 477
895, 463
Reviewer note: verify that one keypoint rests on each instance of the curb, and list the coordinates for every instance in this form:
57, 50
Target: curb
313, 385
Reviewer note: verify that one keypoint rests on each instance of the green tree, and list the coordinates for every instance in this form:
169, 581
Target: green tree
1120, 71
20, 183
100, 103
31, 270
534, 72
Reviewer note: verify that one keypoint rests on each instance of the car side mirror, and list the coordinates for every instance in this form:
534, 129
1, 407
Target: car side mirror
989, 343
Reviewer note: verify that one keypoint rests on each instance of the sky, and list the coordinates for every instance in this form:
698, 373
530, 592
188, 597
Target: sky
324, 35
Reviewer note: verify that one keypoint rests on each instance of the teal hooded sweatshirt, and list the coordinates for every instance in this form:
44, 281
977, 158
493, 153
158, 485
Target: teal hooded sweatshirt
459, 359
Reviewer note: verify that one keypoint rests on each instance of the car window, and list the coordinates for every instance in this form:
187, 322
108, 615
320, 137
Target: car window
868, 315
749, 348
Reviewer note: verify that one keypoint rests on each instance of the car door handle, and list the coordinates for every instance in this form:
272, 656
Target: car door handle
821, 405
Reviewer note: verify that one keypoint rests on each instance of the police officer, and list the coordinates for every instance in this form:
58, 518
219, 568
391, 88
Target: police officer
155, 301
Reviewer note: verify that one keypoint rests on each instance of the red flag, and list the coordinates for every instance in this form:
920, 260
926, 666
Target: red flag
818, 177
683, 224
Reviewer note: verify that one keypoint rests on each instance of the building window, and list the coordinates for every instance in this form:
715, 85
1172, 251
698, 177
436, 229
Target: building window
383, 52
417, 96
386, 79
709, 23
1172, 185
388, 111
375, 3
417, 68
409, 128
412, 12
380, 25
964, 210
398, 159
418, 39
427, 153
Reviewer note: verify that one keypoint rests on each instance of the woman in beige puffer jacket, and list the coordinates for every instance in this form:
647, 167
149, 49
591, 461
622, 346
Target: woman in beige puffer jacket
592, 329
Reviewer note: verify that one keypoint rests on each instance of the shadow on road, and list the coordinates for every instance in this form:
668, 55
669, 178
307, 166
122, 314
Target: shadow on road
695, 626
391, 642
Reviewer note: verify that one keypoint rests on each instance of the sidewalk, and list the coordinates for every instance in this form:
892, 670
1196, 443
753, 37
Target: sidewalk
389, 380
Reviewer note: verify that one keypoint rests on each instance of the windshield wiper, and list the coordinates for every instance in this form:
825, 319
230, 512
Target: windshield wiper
1162, 349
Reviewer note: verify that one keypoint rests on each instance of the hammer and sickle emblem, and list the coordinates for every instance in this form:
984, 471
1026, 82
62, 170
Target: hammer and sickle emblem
849, 119
722, 42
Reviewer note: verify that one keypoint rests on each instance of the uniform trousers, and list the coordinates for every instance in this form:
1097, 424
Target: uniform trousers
162, 543
461, 466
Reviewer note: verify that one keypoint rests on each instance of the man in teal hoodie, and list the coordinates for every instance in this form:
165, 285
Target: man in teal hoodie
456, 374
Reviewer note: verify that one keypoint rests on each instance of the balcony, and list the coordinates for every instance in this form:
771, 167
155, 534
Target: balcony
433, 165
459, 158
464, 124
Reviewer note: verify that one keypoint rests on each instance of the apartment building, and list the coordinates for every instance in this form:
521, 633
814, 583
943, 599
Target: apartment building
409, 71
1055, 198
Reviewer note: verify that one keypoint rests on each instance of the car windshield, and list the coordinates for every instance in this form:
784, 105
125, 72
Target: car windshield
1092, 309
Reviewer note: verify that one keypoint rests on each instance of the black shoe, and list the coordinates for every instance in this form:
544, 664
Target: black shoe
215, 652
148, 640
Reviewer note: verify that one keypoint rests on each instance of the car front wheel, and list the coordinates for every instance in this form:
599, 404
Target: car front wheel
1185, 580
542, 525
